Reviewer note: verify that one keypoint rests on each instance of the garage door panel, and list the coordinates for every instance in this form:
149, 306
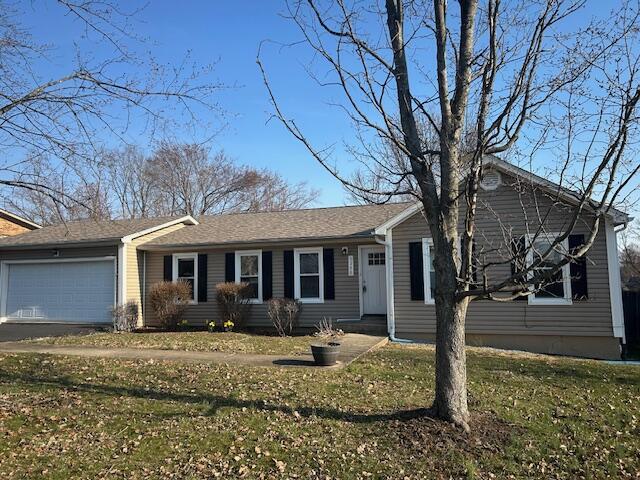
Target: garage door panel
80, 292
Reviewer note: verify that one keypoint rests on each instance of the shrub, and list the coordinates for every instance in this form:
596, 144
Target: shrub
284, 314
169, 301
233, 303
125, 317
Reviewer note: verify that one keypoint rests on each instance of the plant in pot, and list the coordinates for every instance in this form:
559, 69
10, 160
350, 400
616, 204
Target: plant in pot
228, 326
326, 351
211, 326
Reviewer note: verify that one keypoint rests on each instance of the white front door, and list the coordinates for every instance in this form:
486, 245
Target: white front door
374, 281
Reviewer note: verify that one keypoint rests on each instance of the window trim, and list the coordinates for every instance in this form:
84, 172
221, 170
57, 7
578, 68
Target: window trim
249, 253
296, 274
426, 270
187, 256
566, 273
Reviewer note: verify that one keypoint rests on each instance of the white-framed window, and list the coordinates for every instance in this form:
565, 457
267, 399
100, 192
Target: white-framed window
308, 275
429, 271
558, 290
249, 270
185, 268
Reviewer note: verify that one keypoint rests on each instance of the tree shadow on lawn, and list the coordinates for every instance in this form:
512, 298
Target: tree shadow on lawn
416, 430
215, 402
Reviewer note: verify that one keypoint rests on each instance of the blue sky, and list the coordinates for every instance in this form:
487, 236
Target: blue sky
228, 33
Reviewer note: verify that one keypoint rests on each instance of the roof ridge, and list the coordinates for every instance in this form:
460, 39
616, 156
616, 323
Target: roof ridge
336, 207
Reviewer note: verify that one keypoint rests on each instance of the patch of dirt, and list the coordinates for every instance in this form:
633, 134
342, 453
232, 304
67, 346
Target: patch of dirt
421, 433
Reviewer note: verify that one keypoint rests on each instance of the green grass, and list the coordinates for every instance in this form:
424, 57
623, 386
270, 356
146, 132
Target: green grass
64, 417
231, 342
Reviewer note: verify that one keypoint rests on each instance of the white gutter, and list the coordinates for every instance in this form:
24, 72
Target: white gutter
615, 283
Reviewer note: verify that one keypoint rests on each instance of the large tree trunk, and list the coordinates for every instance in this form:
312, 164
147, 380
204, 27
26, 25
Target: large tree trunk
451, 367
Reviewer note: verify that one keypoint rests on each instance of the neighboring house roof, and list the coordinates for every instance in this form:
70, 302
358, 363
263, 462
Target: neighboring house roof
90, 231
18, 219
317, 223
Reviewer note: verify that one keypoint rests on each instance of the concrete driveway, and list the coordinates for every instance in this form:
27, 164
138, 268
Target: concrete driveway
13, 332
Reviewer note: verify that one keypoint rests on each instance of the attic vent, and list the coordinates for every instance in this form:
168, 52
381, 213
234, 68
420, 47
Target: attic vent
490, 180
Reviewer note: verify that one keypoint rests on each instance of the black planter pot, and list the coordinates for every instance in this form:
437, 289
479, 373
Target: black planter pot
325, 354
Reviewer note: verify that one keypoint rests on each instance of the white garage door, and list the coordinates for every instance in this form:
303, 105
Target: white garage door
75, 292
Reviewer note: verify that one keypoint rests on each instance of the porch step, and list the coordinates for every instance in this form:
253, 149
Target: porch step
369, 324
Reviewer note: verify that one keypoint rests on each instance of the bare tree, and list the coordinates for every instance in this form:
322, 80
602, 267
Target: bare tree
62, 118
175, 179
131, 182
194, 182
487, 78
55, 194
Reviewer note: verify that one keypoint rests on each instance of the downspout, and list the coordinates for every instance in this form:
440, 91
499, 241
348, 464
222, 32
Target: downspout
144, 286
615, 283
388, 253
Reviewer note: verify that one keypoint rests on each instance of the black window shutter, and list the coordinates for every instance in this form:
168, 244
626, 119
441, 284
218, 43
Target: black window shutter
267, 276
578, 269
229, 267
168, 268
328, 268
288, 273
202, 277
518, 250
416, 271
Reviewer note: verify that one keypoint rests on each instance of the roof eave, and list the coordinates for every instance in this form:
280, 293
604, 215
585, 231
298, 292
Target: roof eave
71, 244
397, 219
619, 217
187, 219
20, 219
191, 246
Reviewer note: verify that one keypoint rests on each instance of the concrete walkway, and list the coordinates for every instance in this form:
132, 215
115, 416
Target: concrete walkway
354, 345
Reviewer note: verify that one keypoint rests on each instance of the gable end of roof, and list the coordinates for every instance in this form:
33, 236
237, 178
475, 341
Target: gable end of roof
187, 219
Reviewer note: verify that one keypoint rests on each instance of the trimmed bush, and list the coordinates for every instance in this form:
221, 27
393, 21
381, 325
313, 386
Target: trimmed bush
169, 301
233, 304
284, 314
125, 317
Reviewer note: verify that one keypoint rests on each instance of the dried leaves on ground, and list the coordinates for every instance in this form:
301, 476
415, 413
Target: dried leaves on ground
64, 417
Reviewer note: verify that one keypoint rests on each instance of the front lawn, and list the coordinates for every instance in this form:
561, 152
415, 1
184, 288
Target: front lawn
230, 342
69, 417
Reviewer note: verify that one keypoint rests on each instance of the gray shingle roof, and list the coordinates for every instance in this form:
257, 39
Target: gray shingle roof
85, 231
335, 222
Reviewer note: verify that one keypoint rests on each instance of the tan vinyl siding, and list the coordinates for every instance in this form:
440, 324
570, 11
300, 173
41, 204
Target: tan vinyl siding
9, 228
590, 317
134, 264
345, 305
